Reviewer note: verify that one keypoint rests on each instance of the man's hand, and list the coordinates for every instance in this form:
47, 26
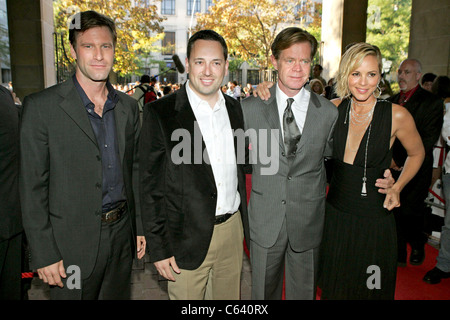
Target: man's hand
52, 274
165, 268
262, 90
140, 246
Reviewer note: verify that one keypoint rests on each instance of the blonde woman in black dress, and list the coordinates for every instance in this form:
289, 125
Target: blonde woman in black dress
358, 252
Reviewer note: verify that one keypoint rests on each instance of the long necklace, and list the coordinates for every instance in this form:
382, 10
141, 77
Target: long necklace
364, 179
349, 110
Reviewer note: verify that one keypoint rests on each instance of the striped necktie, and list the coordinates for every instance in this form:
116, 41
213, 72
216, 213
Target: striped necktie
292, 133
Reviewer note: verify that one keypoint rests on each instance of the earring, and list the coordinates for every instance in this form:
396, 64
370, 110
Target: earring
379, 92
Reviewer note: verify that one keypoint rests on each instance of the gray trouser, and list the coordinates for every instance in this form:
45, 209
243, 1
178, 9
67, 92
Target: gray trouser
270, 266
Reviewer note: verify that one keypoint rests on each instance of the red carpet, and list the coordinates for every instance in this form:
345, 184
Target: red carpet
409, 279
410, 285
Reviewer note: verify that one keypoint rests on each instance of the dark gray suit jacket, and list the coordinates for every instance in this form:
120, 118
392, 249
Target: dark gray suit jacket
61, 175
428, 112
296, 191
10, 216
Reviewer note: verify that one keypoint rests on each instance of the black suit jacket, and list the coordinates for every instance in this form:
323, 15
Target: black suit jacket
178, 201
428, 113
61, 175
10, 216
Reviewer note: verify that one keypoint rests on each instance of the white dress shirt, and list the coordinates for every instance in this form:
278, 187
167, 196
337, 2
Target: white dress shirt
215, 127
299, 106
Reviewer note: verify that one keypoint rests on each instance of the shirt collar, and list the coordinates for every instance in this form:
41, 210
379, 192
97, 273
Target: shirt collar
196, 101
282, 97
112, 94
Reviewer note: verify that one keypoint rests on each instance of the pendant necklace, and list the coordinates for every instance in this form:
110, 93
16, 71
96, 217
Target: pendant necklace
360, 119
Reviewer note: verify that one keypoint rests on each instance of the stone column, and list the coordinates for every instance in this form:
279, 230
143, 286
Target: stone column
429, 39
343, 22
31, 45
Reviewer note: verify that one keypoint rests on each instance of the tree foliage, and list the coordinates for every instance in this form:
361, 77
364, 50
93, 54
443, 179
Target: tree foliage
388, 26
249, 27
138, 27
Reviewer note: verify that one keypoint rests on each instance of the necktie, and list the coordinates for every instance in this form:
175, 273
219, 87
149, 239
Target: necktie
292, 133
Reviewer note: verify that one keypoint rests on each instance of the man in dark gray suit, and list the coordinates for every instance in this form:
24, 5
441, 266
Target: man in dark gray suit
10, 218
286, 209
79, 170
428, 113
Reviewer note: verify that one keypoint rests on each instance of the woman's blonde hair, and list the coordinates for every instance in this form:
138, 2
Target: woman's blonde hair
313, 82
351, 60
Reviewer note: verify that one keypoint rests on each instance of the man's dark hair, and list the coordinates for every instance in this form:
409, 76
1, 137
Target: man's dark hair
428, 77
86, 20
441, 87
319, 67
290, 36
145, 78
207, 35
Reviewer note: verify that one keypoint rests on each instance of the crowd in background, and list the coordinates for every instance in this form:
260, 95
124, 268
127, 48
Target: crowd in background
438, 85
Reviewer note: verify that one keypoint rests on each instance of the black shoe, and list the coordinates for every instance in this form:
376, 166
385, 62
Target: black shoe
417, 256
401, 263
435, 275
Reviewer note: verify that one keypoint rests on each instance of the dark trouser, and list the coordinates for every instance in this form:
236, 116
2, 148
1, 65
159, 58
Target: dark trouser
410, 229
111, 277
410, 216
11, 268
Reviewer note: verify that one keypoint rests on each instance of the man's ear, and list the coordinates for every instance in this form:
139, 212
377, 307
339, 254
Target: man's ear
186, 63
227, 64
418, 76
274, 61
73, 52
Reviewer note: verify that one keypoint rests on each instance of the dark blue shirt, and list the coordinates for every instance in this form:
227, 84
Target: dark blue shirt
104, 128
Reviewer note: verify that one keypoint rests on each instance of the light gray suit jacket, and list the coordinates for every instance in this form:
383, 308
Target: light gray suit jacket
297, 190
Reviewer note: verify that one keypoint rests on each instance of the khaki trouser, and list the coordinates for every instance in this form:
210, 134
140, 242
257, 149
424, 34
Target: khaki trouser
219, 276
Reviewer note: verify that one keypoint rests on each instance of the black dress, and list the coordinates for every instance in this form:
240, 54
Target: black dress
358, 255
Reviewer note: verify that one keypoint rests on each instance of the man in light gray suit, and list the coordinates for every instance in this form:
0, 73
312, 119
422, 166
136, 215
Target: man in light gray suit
286, 209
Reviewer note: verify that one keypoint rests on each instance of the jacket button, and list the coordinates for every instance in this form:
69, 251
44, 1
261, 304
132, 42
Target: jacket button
98, 185
283, 201
213, 195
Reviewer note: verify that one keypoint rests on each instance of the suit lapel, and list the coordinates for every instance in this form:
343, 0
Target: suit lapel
236, 123
76, 111
271, 114
121, 117
311, 120
186, 120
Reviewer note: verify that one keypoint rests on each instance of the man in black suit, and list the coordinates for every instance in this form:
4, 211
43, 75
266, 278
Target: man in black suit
79, 171
10, 216
427, 111
193, 196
